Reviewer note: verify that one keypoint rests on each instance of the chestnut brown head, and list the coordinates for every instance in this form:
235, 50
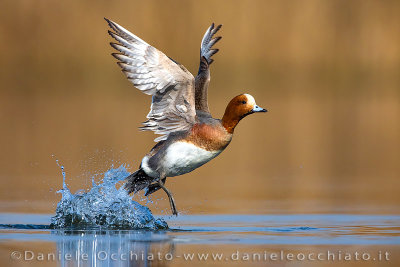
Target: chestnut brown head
238, 108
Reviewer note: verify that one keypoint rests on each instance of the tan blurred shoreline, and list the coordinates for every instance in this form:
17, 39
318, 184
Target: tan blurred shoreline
328, 72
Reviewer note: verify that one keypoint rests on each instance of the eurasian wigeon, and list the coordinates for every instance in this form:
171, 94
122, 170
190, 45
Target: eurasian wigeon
190, 136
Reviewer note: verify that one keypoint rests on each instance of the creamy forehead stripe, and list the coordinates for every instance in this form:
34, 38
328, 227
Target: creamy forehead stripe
250, 100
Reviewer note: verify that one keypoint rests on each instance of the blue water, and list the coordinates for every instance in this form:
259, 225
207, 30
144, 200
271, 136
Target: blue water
228, 234
319, 229
106, 209
105, 221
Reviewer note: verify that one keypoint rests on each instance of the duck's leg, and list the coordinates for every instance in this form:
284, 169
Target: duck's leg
170, 197
154, 188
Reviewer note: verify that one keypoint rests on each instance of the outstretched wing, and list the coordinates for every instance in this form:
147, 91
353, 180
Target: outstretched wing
203, 77
152, 72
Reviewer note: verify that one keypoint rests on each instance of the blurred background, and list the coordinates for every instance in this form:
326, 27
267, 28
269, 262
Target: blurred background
327, 71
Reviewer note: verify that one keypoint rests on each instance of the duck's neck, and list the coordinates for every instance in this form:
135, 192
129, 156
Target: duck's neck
229, 121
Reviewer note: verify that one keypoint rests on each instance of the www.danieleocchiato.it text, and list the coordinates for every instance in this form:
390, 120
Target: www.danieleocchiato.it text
234, 256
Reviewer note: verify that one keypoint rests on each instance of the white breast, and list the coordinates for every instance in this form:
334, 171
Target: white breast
183, 157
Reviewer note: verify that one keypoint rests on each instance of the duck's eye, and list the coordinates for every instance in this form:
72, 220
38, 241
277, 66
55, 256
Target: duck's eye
244, 102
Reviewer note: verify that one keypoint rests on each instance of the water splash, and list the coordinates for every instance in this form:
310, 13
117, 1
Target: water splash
103, 206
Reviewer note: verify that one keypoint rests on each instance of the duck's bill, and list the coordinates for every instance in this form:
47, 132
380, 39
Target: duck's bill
259, 109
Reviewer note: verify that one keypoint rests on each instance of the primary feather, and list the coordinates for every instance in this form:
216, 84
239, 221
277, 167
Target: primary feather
208, 42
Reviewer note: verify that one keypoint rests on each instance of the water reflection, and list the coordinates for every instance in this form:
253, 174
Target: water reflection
113, 248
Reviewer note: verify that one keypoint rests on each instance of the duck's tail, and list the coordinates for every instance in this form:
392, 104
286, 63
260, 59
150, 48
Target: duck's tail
137, 181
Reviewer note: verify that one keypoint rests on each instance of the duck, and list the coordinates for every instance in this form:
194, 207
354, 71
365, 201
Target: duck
189, 136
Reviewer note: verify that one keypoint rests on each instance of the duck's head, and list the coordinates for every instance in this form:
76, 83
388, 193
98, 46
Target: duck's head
238, 108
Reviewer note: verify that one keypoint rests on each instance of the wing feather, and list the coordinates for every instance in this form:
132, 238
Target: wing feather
152, 72
208, 42
203, 77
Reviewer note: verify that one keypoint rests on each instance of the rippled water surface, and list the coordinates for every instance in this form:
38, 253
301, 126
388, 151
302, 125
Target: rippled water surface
230, 235
103, 226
